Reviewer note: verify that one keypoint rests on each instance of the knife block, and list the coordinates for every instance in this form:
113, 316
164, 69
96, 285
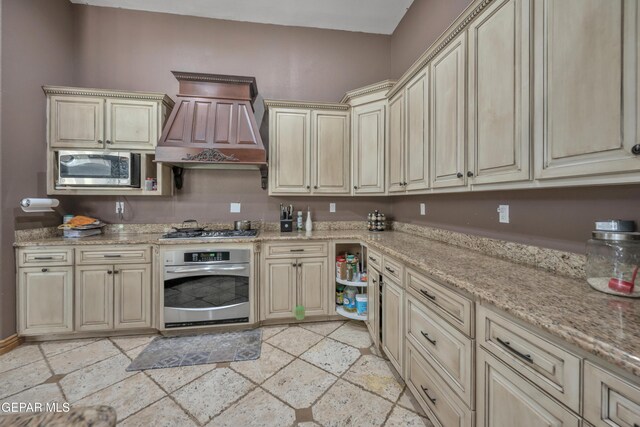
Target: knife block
286, 225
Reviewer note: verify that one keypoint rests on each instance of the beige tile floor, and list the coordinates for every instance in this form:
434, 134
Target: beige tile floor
312, 374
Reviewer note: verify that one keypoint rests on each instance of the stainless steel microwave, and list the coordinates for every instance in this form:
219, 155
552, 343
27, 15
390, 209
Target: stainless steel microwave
98, 169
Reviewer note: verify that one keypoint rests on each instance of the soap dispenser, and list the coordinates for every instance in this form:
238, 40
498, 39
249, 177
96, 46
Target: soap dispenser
309, 225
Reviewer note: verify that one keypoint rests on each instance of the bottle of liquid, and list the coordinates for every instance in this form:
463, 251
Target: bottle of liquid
299, 223
309, 225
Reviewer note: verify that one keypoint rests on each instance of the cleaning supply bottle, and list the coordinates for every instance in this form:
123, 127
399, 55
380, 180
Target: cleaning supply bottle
309, 225
299, 222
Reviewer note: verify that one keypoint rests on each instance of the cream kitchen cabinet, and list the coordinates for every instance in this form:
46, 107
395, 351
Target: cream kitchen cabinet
45, 300
586, 103
111, 297
610, 400
373, 301
295, 281
309, 148
97, 119
448, 104
408, 143
498, 100
393, 323
368, 142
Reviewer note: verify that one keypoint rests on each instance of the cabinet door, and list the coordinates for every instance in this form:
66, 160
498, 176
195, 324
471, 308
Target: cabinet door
507, 400
131, 124
373, 295
132, 296
368, 148
499, 142
392, 324
76, 121
586, 111
395, 146
290, 151
45, 300
94, 297
313, 285
279, 288
330, 159
416, 173
447, 115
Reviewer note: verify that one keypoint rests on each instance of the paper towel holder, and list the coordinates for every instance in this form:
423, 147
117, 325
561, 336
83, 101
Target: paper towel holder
31, 204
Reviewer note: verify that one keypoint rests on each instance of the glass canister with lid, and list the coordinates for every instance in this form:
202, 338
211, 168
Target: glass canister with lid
613, 258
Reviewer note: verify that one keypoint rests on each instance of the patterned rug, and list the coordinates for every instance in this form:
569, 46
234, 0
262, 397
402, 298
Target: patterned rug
170, 352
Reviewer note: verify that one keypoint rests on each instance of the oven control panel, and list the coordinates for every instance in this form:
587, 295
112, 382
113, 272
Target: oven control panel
206, 256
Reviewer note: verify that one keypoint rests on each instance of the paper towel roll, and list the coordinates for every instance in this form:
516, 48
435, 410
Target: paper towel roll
38, 205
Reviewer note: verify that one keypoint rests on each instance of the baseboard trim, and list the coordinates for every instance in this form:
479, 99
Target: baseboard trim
9, 343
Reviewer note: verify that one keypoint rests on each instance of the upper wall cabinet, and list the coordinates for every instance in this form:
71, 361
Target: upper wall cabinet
498, 101
308, 148
368, 119
586, 56
96, 119
408, 139
448, 77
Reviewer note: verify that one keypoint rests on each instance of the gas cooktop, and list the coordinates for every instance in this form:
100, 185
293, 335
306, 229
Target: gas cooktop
209, 234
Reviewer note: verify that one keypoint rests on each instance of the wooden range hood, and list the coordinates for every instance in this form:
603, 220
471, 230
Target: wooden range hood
212, 125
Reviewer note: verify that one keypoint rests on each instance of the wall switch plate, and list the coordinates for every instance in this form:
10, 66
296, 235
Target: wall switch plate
423, 208
119, 207
332, 207
234, 208
503, 214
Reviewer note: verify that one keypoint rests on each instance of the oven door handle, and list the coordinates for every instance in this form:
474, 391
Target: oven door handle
210, 269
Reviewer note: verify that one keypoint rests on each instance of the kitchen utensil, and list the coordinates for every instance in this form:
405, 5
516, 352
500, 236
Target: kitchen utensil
242, 225
624, 286
193, 229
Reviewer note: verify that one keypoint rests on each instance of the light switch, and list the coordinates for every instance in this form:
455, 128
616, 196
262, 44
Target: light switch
423, 208
235, 208
503, 214
332, 207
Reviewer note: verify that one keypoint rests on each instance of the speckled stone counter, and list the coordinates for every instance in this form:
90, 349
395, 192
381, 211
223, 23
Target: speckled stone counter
603, 325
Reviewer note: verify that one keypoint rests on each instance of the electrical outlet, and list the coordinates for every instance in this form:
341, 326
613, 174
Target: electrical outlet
120, 207
332, 207
234, 208
423, 208
503, 214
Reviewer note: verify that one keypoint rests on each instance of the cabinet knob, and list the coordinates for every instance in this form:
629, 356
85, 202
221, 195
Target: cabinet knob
459, 175
44, 270
109, 272
116, 272
635, 149
315, 187
108, 141
308, 187
355, 187
99, 141
469, 174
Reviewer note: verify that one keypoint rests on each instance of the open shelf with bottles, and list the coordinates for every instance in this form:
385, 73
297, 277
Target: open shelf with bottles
348, 279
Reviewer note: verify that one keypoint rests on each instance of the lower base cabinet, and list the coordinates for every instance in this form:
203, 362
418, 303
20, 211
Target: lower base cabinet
45, 296
505, 399
112, 297
392, 323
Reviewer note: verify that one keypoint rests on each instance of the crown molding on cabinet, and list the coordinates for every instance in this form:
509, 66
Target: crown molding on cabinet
375, 87
108, 93
303, 104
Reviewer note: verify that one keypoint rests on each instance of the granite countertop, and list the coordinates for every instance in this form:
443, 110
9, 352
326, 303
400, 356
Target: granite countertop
566, 307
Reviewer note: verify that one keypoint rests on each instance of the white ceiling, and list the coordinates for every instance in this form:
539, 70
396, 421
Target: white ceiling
369, 16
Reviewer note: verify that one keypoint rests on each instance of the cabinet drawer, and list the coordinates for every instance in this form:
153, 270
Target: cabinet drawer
442, 406
547, 365
446, 348
113, 255
392, 268
34, 257
374, 259
296, 250
453, 307
507, 399
609, 400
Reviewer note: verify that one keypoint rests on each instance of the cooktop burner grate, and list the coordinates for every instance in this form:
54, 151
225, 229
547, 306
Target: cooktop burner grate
210, 234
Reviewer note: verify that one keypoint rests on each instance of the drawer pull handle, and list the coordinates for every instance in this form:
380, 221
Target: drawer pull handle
296, 250
507, 345
42, 257
426, 335
390, 270
428, 295
426, 392
112, 255
374, 280
372, 259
